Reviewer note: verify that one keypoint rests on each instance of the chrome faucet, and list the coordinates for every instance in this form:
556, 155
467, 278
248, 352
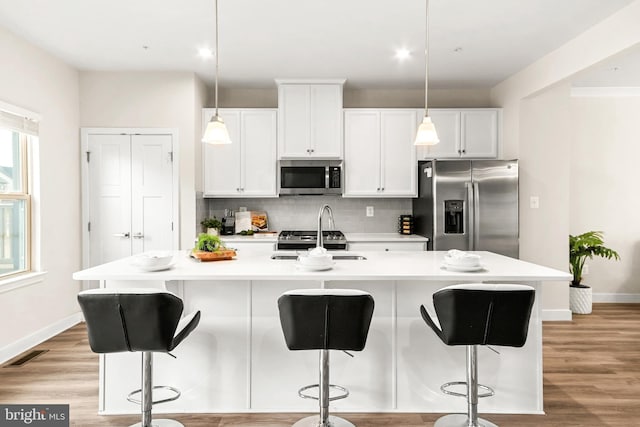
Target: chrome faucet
332, 225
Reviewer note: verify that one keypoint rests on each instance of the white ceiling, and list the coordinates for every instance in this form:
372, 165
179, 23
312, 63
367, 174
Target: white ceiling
263, 40
622, 70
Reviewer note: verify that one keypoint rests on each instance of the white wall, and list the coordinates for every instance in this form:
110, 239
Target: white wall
604, 188
151, 99
525, 98
36, 81
544, 153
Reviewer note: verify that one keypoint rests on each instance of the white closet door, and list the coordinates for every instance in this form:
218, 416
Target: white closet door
109, 195
151, 193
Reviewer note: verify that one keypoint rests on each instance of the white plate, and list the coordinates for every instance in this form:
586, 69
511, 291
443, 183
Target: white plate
157, 268
315, 267
462, 268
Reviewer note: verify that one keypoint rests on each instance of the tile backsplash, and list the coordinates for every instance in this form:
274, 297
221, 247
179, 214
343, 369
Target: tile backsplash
301, 212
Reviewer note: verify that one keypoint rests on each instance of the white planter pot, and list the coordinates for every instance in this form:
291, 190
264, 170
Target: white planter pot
580, 300
212, 231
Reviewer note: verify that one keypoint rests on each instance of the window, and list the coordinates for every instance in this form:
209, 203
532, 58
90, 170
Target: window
16, 133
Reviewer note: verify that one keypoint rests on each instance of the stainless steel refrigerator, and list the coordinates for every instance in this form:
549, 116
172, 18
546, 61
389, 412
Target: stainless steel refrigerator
468, 205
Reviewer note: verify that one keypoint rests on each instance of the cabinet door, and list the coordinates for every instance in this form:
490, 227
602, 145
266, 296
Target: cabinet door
151, 193
109, 206
362, 153
398, 159
258, 153
294, 118
480, 133
326, 120
447, 123
221, 168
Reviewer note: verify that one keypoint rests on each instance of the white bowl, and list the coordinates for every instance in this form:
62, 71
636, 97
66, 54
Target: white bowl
468, 260
156, 259
315, 260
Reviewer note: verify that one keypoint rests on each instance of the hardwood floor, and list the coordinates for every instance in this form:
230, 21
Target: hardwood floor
591, 379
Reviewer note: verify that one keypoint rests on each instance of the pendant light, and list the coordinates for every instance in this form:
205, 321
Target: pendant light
216, 132
426, 134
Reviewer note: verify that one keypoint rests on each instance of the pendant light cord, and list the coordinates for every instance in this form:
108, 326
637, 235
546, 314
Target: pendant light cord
217, 56
426, 56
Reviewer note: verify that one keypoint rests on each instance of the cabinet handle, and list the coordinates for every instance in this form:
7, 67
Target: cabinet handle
459, 151
378, 189
121, 235
464, 151
138, 236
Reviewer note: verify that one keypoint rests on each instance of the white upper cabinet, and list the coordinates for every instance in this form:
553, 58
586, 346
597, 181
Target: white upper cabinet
380, 158
247, 166
309, 119
465, 133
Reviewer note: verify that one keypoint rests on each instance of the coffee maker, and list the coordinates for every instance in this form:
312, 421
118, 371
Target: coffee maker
228, 223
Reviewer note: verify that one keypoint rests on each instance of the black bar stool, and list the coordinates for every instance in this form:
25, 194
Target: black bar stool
138, 319
478, 314
325, 319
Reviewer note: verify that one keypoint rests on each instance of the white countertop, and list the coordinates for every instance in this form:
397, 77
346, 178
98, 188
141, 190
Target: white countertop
384, 237
250, 265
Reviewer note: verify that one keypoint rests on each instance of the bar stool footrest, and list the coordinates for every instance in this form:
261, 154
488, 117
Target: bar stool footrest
460, 420
176, 395
344, 391
445, 389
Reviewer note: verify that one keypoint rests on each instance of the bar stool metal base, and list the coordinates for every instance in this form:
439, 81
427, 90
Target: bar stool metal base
461, 420
314, 421
161, 423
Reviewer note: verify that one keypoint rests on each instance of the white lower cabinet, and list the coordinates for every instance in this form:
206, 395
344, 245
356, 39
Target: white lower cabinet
247, 166
387, 246
464, 133
380, 157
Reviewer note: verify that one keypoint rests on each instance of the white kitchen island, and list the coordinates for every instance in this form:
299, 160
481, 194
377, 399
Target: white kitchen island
237, 360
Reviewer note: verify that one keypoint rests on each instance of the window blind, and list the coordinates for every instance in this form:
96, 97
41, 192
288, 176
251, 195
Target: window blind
18, 123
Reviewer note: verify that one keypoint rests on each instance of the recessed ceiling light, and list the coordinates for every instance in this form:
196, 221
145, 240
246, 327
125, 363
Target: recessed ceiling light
205, 52
145, 47
403, 54
457, 50
614, 69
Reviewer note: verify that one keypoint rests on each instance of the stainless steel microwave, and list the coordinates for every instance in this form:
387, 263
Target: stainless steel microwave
310, 177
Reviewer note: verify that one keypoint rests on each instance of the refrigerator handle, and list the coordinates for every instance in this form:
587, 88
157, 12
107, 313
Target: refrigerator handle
476, 214
470, 214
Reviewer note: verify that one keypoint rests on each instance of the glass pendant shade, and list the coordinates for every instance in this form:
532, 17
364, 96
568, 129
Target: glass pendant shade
216, 132
426, 134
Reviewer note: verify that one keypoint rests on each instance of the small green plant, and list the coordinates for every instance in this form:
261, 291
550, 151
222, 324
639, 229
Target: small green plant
209, 243
211, 223
585, 246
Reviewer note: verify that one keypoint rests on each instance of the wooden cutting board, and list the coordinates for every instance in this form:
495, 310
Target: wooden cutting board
219, 255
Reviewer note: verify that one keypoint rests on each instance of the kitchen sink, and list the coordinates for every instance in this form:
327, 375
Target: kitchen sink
336, 257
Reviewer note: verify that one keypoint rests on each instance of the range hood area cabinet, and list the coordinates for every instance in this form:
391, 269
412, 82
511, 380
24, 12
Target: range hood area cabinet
467, 133
247, 166
310, 119
379, 155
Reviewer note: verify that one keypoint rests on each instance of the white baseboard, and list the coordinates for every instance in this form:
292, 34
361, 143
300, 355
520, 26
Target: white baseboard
599, 297
556, 315
10, 351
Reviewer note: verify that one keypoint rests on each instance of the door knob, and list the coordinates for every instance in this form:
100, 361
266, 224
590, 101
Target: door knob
138, 236
121, 235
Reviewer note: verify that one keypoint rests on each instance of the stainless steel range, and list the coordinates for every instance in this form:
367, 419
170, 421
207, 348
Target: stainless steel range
291, 240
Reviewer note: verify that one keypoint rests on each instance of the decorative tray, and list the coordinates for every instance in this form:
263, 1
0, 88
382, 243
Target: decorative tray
218, 255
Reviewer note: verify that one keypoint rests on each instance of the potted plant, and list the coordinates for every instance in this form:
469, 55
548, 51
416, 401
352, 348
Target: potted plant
212, 226
581, 247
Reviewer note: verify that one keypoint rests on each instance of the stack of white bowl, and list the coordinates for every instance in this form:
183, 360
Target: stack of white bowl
461, 259
317, 258
156, 260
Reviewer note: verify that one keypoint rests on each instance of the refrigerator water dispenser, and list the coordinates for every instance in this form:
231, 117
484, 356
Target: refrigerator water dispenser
453, 217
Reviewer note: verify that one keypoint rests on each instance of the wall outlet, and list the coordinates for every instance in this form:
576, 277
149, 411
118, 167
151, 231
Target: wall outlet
585, 269
534, 202
369, 210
